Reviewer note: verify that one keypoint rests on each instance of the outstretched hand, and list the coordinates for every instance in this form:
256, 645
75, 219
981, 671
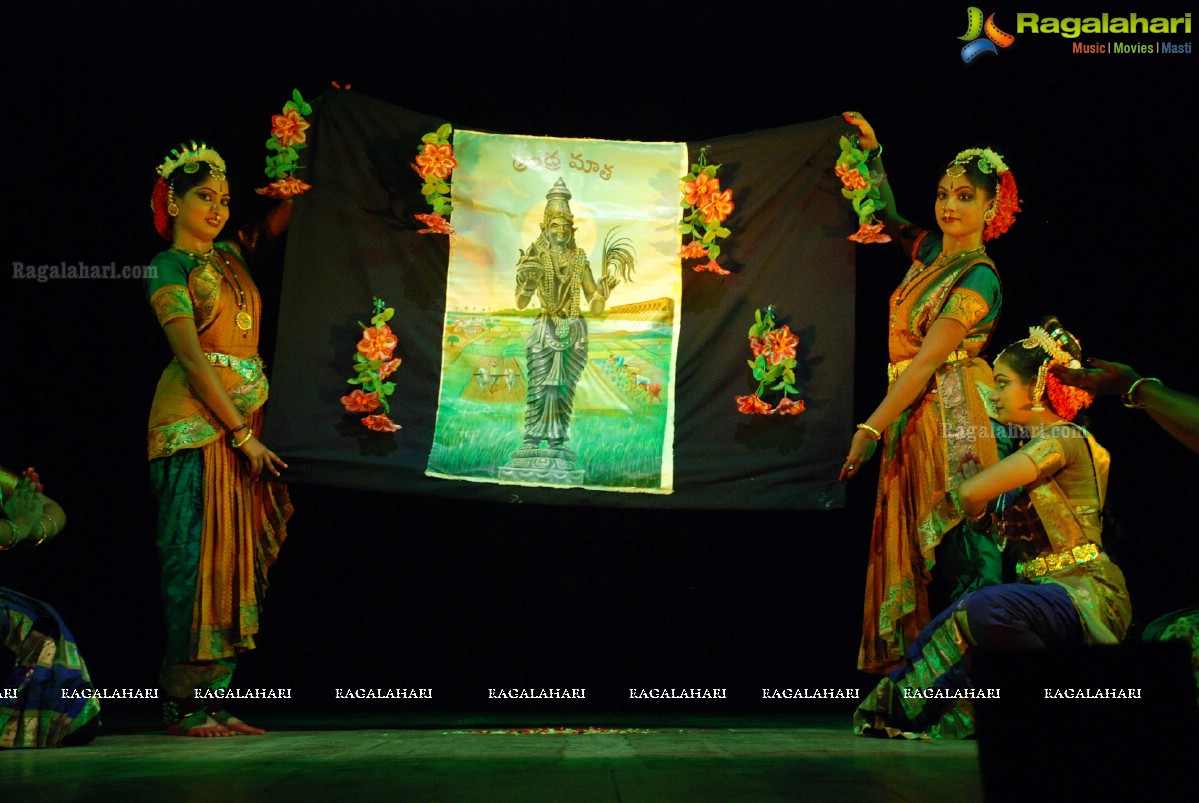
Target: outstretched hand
867, 139
1110, 378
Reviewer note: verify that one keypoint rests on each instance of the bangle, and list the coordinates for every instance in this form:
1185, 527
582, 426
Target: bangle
874, 153
41, 528
235, 429
242, 442
877, 435
1129, 398
966, 517
15, 535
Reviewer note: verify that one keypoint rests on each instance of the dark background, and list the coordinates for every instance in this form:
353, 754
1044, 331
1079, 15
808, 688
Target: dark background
395, 591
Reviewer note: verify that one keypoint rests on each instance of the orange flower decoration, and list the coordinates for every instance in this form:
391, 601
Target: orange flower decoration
693, 250
712, 266
788, 407
870, 233
717, 206
289, 128
851, 178
284, 188
386, 369
779, 345
380, 423
437, 160
756, 346
1067, 400
695, 191
752, 405
377, 343
360, 402
436, 223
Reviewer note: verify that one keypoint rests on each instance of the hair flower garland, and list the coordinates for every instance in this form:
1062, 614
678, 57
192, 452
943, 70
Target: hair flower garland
773, 366
373, 363
860, 185
286, 142
434, 163
707, 207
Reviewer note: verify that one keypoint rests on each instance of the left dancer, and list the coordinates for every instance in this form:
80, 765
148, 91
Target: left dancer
46, 695
220, 521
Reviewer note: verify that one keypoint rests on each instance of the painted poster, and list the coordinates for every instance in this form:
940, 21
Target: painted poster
562, 314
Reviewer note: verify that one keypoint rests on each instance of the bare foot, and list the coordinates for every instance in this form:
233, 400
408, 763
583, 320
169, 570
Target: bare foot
243, 728
206, 727
235, 725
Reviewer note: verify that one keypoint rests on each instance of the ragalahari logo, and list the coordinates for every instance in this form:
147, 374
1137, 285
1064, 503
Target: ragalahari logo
976, 44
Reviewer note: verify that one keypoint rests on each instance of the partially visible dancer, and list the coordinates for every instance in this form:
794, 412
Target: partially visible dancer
221, 522
934, 423
1176, 412
45, 691
1067, 591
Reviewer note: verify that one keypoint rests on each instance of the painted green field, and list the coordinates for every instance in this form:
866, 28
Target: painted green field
619, 425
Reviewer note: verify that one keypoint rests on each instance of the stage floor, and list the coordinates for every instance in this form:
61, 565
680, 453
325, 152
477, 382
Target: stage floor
817, 759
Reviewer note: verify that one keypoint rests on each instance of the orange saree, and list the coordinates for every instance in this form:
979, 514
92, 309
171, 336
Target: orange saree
219, 530
931, 447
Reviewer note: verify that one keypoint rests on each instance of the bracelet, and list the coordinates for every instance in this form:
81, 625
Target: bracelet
874, 153
877, 435
41, 528
243, 441
1129, 395
235, 429
16, 535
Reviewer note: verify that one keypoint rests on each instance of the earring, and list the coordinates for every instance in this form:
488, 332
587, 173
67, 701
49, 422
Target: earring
989, 215
172, 207
1038, 389
173, 210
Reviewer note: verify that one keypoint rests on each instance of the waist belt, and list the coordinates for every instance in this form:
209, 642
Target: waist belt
896, 368
1046, 564
250, 368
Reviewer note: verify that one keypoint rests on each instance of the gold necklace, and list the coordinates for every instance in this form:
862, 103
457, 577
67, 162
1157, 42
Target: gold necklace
243, 319
942, 259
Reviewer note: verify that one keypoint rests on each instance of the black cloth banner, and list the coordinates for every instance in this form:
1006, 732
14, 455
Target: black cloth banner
354, 237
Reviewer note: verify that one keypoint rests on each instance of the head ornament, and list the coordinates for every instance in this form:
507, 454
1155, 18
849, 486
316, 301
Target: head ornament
1067, 401
1002, 212
188, 156
557, 203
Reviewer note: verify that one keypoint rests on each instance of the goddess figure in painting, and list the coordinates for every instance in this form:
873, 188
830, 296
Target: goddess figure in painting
556, 270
